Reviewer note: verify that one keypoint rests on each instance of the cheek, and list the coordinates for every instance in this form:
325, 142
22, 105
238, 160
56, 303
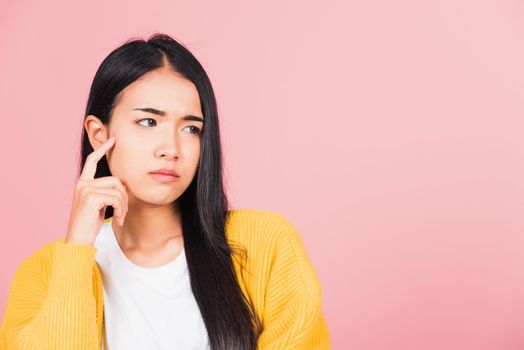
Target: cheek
195, 155
125, 158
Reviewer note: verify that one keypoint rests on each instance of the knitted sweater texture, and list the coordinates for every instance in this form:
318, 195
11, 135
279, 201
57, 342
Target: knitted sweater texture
55, 298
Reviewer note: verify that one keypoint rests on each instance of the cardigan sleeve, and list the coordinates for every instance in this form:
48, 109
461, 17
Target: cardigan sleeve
50, 304
292, 317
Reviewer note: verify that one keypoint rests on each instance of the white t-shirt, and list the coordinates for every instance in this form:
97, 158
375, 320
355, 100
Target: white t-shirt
146, 308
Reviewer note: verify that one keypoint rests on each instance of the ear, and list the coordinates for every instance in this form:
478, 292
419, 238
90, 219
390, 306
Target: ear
96, 131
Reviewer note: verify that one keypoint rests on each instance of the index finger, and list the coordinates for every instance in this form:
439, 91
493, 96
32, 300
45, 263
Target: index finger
89, 170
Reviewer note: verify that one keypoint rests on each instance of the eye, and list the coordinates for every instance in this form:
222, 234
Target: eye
196, 130
146, 119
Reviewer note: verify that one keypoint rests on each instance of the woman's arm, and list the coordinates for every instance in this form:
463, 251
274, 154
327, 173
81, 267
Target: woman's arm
51, 304
292, 316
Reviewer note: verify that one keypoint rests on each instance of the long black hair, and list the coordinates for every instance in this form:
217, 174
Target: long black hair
229, 317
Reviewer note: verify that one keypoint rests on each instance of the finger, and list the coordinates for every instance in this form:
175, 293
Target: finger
111, 181
106, 197
101, 201
89, 170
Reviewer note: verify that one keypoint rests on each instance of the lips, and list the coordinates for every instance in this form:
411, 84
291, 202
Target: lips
164, 177
165, 171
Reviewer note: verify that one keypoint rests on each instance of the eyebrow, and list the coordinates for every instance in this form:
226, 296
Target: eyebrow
163, 114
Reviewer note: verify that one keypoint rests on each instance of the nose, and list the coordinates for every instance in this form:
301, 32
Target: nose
169, 148
169, 154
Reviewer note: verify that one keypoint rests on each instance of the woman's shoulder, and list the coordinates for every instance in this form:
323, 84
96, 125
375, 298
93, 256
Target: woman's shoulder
266, 233
243, 214
275, 247
42, 257
34, 268
251, 215
41, 254
248, 225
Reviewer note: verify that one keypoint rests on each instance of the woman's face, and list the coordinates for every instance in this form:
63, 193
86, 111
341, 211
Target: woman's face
145, 141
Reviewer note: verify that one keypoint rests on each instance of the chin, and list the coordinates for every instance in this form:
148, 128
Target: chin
158, 197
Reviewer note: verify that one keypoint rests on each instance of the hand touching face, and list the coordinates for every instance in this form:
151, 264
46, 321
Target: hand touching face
158, 123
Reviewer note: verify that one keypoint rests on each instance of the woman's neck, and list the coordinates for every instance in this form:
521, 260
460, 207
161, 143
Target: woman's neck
148, 228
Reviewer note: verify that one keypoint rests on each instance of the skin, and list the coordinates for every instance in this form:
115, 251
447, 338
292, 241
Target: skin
151, 234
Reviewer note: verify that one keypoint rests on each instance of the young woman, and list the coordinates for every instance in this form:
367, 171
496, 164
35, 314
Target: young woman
153, 258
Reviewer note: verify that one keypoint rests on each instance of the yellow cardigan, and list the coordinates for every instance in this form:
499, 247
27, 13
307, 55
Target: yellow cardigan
55, 299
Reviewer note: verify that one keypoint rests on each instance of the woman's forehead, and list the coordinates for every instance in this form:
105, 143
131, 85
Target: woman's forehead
166, 92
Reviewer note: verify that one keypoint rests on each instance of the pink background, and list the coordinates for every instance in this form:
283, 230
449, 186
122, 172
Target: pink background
388, 132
